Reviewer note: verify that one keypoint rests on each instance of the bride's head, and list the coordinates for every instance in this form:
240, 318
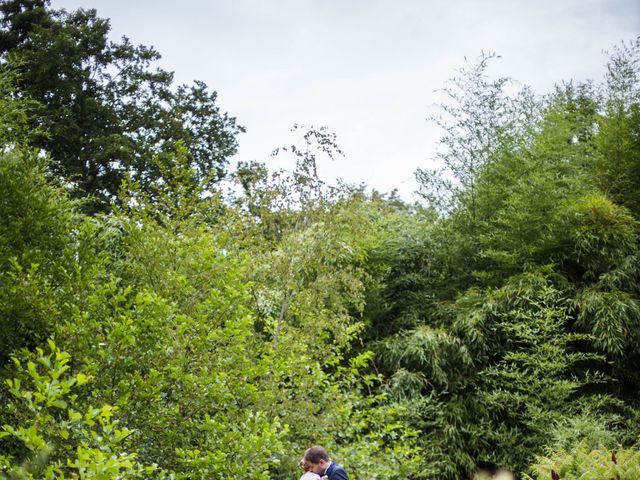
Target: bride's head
304, 465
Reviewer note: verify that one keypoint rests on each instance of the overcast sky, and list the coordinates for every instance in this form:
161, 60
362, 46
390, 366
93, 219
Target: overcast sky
366, 69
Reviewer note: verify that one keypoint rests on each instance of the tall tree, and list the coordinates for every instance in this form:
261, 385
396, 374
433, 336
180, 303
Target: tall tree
105, 111
520, 322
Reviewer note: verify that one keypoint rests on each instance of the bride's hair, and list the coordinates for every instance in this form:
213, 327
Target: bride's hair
304, 465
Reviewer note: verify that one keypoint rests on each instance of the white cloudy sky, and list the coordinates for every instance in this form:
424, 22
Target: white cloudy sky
367, 69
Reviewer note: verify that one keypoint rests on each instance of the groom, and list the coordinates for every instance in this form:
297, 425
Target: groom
320, 463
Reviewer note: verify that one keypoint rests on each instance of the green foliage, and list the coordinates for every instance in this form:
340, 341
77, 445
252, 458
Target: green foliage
518, 317
55, 438
480, 122
491, 388
15, 111
403, 264
618, 141
103, 110
497, 323
597, 235
585, 463
36, 250
171, 316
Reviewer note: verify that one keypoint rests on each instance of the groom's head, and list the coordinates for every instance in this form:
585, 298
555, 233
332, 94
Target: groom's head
317, 458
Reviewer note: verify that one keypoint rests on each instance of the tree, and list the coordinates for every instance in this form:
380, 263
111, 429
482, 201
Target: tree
519, 314
37, 261
105, 113
479, 121
15, 111
618, 140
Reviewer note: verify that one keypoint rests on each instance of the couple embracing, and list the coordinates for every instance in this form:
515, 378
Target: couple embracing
318, 466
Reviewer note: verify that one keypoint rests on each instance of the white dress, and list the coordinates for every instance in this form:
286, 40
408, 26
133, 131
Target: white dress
310, 476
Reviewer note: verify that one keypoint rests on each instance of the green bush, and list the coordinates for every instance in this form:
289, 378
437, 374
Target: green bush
53, 436
583, 463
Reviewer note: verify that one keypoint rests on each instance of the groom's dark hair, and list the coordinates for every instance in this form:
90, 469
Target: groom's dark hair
315, 454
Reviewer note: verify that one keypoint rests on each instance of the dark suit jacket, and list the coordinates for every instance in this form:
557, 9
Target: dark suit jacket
336, 472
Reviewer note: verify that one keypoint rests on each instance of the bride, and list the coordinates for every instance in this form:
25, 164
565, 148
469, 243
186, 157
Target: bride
308, 474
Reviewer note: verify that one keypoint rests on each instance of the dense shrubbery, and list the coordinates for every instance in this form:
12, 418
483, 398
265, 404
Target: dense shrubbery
53, 437
175, 322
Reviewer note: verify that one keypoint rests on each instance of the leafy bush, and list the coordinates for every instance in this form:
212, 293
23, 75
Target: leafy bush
583, 463
53, 436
